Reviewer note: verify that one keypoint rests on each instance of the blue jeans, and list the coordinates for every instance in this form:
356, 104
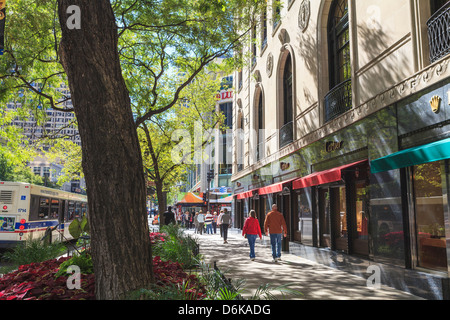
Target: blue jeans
209, 229
251, 241
275, 241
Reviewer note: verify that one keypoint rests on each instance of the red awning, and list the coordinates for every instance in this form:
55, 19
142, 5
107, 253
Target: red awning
275, 188
245, 195
323, 177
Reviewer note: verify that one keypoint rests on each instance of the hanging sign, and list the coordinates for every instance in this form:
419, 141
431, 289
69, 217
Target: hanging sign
2, 25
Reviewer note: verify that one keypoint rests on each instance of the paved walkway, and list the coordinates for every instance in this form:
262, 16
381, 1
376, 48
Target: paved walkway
313, 280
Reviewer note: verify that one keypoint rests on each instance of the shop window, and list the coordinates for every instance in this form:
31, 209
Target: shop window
340, 217
324, 218
429, 215
303, 222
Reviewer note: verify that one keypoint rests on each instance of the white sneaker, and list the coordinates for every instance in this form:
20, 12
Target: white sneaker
253, 259
278, 259
274, 260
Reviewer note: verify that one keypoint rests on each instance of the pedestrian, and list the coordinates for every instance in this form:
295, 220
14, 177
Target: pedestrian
195, 221
208, 222
186, 219
214, 222
169, 216
250, 231
225, 221
220, 224
275, 225
201, 221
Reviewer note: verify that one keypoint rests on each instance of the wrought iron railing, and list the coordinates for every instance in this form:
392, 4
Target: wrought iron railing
286, 134
338, 100
439, 33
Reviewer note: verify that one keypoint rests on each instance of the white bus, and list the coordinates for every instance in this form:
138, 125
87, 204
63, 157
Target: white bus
30, 211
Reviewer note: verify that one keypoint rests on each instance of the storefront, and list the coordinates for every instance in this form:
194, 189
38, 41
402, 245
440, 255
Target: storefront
339, 217
376, 192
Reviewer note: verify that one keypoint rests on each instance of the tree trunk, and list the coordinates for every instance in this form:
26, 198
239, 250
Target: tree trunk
162, 204
112, 160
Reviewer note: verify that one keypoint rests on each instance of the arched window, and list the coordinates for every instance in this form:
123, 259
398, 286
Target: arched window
339, 99
240, 140
259, 125
286, 129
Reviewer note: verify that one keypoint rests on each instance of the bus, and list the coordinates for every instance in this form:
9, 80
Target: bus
31, 212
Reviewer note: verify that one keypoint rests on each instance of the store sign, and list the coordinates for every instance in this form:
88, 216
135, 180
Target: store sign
223, 95
2, 25
332, 146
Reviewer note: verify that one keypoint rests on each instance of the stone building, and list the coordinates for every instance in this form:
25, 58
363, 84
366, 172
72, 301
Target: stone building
342, 119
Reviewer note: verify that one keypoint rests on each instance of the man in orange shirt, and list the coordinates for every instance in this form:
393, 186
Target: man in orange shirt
276, 226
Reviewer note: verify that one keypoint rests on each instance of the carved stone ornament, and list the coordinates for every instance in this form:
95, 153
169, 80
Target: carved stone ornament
304, 15
269, 64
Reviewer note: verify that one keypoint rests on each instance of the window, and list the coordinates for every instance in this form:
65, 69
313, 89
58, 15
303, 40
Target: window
438, 25
276, 14
339, 98
240, 141
254, 46
429, 219
44, 207
286, 130
37, 170
264, 30
54, 209
259, 126
304, 219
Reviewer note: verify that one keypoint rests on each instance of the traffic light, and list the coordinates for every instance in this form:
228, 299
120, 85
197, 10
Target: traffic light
210, 175
205, 197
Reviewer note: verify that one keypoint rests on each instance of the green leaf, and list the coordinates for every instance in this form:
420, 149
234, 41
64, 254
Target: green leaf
75, 228
84, 224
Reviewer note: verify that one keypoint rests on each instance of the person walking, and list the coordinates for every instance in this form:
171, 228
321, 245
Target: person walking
201, 221
251, 230
214, 222
225, 221
220, 224
208, 222
195, 221
275, 225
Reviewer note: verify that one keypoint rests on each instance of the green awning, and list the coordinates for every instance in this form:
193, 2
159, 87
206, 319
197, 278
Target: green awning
435, 151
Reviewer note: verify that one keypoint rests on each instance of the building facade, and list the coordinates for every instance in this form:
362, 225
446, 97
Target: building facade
342, 119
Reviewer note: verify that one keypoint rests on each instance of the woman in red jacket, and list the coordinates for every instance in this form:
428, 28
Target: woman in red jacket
251, 230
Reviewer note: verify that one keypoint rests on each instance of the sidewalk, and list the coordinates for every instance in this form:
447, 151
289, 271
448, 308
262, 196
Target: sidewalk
313, 280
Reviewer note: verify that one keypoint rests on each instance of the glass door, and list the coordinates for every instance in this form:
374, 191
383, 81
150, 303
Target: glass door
361, 221
324, 218
339, 217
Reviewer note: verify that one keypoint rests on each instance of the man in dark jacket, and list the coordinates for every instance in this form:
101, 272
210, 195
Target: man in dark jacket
169, 217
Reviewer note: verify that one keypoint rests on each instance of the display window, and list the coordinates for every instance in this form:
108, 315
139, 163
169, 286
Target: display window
429, 196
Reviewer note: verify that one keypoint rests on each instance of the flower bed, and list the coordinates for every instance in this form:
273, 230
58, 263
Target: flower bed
39, 281
36, 281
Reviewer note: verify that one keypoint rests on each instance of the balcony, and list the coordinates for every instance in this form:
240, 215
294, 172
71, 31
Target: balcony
338, 100
439, 33
286, 134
